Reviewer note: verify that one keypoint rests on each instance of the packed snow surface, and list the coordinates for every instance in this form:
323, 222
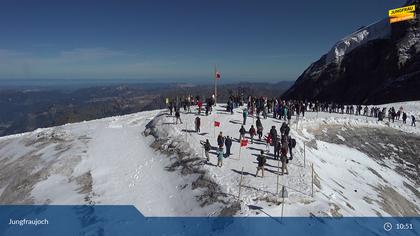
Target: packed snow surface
110, 161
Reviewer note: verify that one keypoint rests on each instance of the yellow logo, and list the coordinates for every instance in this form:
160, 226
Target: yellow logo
402, 14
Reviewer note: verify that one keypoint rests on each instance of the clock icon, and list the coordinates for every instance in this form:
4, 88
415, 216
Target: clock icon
387, 226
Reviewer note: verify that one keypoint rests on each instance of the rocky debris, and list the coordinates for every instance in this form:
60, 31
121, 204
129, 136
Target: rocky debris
187, 162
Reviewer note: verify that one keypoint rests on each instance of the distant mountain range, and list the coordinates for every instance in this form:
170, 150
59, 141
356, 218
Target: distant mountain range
379, 63
26, 108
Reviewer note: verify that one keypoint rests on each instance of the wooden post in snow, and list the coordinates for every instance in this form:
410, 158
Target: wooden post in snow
278, 176
312, 179
240, 184
186, 129
304, 154
240, 148
214, 127
282, 204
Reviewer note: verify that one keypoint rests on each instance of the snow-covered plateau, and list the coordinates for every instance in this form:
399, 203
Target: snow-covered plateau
361, 167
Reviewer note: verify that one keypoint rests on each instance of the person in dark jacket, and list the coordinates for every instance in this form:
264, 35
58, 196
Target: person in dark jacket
261, 162
289, 116
197, 124
273, 133
290, 143
404, 118
252, 133
260, 128
228, 143
242, 132
178, 117
220, 140
277, 148
286, 130
283, 128
413, 120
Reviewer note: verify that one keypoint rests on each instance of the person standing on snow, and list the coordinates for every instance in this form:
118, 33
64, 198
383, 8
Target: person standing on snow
277, 148
292, 144
252, 133
259, 128
267, 143
413, 120
171, 108
283, 128
404, 118
197, 124
244, 115
273, 133
207, 148
228, 143
199, 104
261, 162
242, 132
220, 156
220, 140
178, 117
289, 116
283, 157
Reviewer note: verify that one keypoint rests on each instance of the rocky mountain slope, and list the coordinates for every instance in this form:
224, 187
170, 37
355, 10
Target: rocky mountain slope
379, 63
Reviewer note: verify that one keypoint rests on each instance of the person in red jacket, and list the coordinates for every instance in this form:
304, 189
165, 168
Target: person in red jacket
267, 143
199, 104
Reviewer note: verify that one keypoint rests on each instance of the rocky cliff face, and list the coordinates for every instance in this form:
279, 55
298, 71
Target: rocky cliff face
378, 63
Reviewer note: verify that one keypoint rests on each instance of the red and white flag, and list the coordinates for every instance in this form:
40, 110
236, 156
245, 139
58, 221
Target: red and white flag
218, 75
244, 142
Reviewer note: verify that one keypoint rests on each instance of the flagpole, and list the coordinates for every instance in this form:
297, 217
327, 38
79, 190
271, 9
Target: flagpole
215, 85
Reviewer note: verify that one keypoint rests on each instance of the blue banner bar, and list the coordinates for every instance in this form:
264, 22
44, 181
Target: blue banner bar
127, 220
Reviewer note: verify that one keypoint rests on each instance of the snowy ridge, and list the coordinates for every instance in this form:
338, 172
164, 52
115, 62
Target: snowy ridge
377, 30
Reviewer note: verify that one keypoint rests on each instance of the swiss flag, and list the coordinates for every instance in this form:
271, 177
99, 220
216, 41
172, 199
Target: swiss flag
217, 124
217, 75
244, 142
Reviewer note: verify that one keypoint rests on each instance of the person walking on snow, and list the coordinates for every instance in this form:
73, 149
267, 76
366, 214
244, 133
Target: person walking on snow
178, 117
220, 156
261, 162
252, 133
207, 148
413, 120
197, 124
228, 143
242, 132
245, 115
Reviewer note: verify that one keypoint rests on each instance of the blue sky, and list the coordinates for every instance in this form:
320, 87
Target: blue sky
174, 40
